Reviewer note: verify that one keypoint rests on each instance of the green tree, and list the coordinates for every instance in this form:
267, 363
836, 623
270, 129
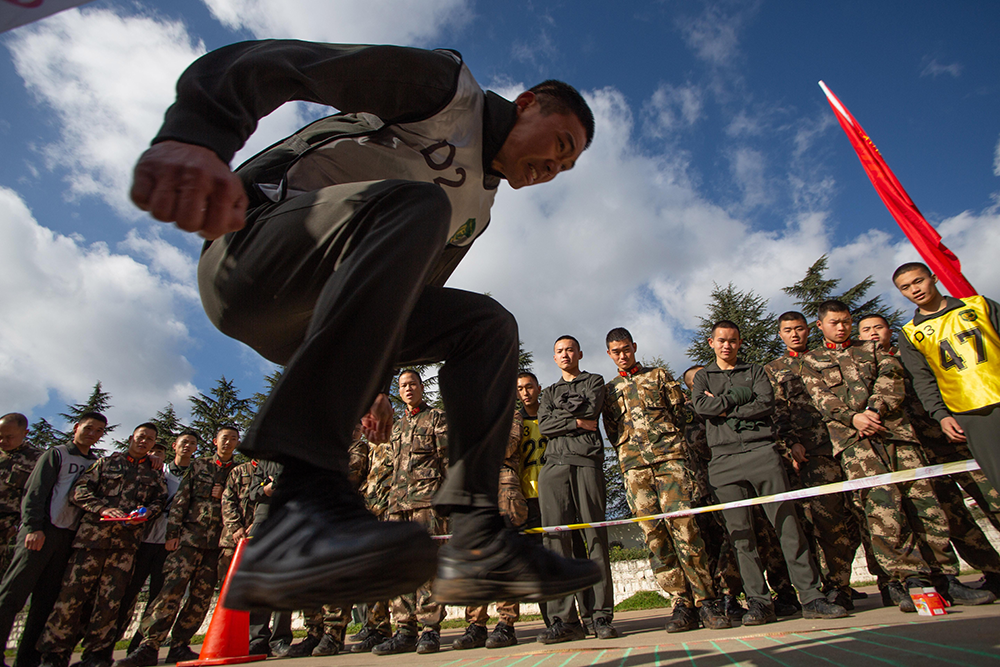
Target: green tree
616, 505
168, 426
223, 407
749, 311
656, 362
43, 436
270, 380
99, 401
815, 288
525, 358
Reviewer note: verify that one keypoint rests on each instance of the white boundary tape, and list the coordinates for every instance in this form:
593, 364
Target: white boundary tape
897, 477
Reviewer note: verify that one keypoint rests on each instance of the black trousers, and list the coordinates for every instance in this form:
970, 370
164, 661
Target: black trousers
38, 574
149, 560
332, 284
982, 428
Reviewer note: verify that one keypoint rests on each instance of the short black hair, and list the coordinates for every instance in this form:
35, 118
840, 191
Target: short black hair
189, 431
147, 425
832, 306
226, 427
19, 420
568, 337
411, 371
529, 374
791, 316
618, 334
910, 266
869, 316
724, 324
91, 414
560, 97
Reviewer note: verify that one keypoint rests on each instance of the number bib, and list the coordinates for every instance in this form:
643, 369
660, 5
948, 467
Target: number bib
963, 350
532, 449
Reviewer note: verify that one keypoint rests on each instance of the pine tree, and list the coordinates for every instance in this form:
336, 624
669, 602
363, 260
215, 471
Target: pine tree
224, 407
43, 436
168, 426
749, 312
525, 358
270, 380
657, 362
814, 289
616, 505
99, 401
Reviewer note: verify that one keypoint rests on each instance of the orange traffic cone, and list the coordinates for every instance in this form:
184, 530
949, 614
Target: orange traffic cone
228, 639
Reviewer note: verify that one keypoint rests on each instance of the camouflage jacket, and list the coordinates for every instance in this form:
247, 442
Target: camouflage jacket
195, 516
644, 417
843, 383
15, 468
928, 429
358, 463
796, 419
510, 471
381, 467
116, 482
237, 504
696, 453
420, 443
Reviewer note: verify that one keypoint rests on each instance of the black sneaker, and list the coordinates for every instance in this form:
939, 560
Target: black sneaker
260, 647
682, 619
901, 596
786, 603
822, 608
328, 645
839, 597
603, 628
732, 608
474, 637
180, 653
513, 568
502, 636
144, 656
319, 545
560, 632
304, 648
280, 648
429, 642
956, 592
400, 642
55, 659
373, 639
759, 613
361, 634
712, 617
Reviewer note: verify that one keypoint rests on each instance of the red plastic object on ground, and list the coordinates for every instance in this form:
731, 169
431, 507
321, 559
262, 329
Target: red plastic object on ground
928, 602
228, 639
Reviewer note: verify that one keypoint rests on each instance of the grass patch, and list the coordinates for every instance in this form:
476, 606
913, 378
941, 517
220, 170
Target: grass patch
619, 553
643, 600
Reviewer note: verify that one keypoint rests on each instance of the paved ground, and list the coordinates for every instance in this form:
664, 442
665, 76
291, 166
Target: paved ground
872, 635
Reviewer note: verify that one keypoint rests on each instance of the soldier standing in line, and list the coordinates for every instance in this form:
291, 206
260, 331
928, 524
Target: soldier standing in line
44, 542
966, 536
17, 460
644, 420
514, 510
152, 554
103, 551
420, 442
571, 487
831, 526
194, 527
237, 511
859, 390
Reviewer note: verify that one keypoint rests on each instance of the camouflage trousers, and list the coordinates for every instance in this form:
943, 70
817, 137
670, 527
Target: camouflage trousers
329, 620
831, 525
683, 569
509, 613
10, 523
187, 568
87, 607
415, 610
908, 528
377, 616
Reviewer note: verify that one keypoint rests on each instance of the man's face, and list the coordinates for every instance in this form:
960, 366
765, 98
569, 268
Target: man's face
143, 439
226, 441
11, 435
528, 391
539, 146
836, 327
918, 286
411, 390
795, 335
567, 355
726, 344
622, 352
88, 432
875, 328
185, 445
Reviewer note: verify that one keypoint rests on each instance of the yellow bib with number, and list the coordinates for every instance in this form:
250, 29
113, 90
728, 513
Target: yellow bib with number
532, 448
963, 350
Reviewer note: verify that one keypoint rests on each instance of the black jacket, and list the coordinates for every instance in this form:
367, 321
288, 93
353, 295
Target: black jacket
734, 423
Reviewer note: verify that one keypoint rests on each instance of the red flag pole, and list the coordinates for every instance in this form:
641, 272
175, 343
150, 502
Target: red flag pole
921, 234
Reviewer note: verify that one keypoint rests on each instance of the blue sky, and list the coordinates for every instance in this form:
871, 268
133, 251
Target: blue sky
716, 159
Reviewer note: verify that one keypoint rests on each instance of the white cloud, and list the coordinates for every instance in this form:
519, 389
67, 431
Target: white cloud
714, 36
376, 21
76, 313
672, 108
749, 167
996, 159
934, 69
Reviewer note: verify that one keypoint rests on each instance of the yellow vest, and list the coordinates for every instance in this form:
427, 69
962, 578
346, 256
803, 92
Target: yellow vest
963, 350
532, 448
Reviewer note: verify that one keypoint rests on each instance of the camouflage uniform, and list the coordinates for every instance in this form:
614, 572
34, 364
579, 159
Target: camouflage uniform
103, 552
831, 525
237, 511
644, 418
844, 382
514, 509
15, 468
721, 557
420, 443
196, 519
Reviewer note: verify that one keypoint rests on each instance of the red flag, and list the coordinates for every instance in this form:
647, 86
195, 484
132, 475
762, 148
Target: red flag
924, 238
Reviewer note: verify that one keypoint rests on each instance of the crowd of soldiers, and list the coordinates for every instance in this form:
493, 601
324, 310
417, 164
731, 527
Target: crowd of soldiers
88, 533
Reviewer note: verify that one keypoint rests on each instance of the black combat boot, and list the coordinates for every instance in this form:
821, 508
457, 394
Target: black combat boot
682, 619
473, 637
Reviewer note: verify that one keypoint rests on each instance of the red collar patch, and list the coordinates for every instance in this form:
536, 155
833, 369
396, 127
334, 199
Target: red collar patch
838, 346
632, 371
